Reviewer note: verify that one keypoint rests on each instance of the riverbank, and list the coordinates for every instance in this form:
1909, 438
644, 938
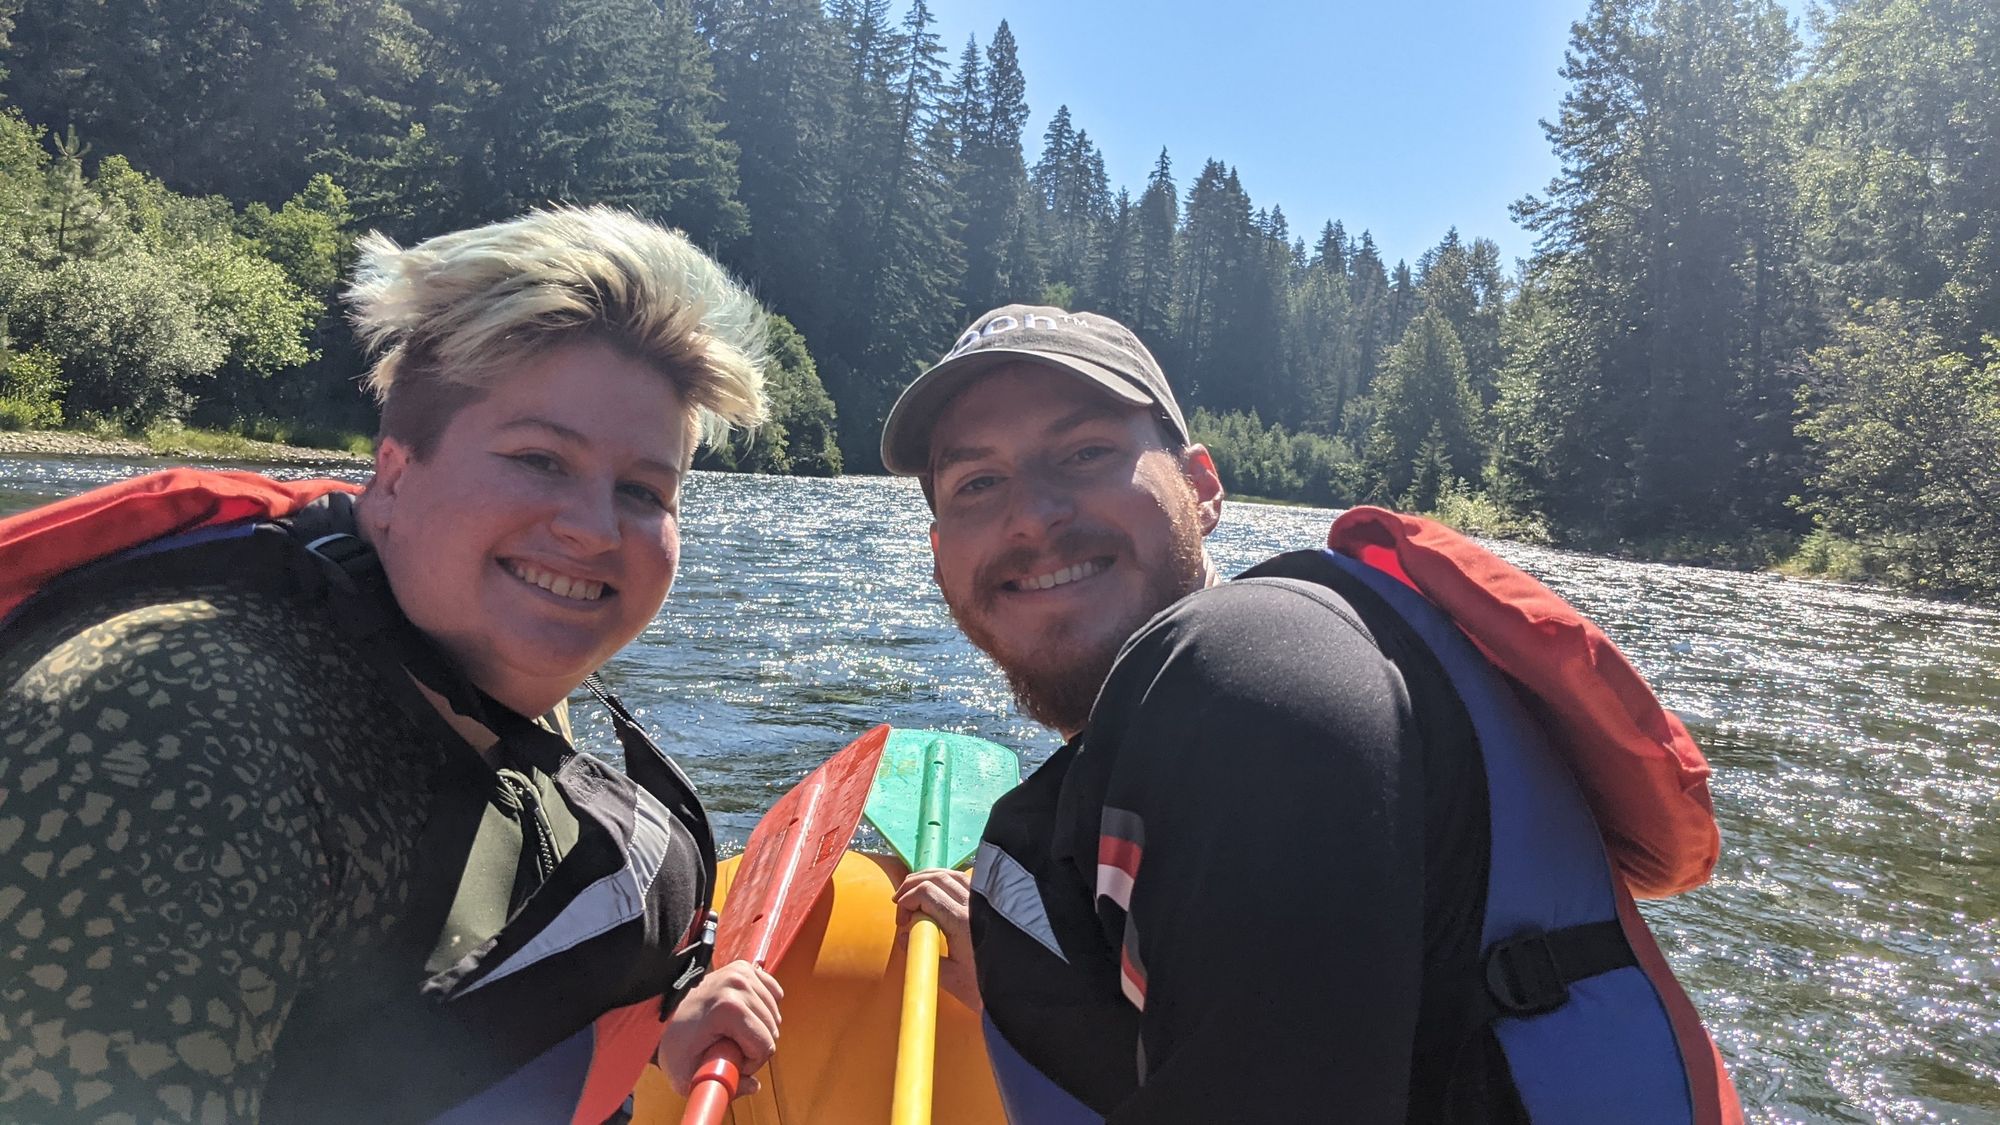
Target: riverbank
193, 445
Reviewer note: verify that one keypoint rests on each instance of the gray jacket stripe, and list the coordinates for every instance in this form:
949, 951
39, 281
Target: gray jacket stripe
1008, 888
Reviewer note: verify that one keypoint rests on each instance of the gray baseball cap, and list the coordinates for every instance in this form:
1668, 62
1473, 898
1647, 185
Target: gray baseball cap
1086, 345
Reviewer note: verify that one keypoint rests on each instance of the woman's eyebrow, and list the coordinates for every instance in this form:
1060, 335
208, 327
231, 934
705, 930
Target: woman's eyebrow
648, 464
556, 428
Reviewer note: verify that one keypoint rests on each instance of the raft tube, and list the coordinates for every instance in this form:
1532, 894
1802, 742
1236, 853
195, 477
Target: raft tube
843, 980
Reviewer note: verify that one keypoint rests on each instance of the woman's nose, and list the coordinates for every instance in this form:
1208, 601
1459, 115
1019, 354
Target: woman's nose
588, 519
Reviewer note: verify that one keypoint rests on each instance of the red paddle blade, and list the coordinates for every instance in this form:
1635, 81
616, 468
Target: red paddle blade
792, 854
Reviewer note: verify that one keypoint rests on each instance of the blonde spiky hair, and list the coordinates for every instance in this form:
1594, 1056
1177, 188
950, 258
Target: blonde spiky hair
452, 314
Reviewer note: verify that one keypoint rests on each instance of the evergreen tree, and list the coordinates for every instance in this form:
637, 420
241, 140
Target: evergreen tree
1332, 250
1368, 288
534, 101
1215, 243
867, 146
1058, 154
76, 222
1901, 137
701, 192
775, 75
1465, 284
1403, 299
1261, 315
237, 95
900, 311
1157, 266
1323, 353
1000, 260
1670, 211
965, 105
1114, 288
1559, 435
1425, 415
1074, 197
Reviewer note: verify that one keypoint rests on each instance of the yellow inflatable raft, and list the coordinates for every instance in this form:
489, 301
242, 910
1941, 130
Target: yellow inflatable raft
836, 1057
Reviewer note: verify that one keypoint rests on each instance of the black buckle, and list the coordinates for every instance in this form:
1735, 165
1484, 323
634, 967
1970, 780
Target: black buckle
696, 963
1523, 977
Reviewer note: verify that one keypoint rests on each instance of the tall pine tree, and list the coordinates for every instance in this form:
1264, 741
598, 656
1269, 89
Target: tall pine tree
1663, 226
1001, 265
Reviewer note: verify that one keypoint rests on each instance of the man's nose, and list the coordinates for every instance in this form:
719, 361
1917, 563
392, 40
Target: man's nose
1040, 504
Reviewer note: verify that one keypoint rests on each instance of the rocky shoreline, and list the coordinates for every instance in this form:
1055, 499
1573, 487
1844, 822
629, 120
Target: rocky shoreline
61, 443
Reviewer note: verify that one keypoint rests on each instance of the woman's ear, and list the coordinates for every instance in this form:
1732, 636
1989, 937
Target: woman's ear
378, 498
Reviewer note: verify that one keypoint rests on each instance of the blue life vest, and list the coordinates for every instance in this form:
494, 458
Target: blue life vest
1585, 1031
1026, 1093
1581, 1048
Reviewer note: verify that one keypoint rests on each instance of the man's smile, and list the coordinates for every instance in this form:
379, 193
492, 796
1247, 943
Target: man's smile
1077, 572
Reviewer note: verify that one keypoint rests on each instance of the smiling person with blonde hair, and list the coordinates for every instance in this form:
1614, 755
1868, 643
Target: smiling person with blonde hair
301, 833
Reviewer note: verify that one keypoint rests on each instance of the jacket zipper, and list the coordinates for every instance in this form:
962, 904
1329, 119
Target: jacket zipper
535, 830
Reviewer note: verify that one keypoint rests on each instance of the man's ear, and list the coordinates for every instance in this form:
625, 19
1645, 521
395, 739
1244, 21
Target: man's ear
1199, 469
935, 576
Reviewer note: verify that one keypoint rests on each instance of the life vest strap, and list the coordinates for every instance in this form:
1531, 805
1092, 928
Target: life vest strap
661, 776
1530, 973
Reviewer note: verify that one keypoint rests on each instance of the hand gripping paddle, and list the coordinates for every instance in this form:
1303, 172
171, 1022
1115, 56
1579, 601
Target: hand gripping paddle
930, 800
791, 854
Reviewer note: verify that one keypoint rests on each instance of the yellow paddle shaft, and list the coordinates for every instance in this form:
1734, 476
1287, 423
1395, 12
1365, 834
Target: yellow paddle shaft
916, 1042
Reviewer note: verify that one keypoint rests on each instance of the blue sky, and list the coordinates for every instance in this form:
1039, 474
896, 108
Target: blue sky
1404, 117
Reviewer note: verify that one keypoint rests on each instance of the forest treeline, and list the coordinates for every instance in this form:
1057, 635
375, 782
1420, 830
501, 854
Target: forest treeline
1760, 315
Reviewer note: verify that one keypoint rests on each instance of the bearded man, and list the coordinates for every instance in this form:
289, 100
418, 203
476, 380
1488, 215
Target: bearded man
1250, 886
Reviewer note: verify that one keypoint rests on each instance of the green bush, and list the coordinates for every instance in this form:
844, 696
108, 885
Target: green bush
1479, 512
1903, 433
31, 386
304, 435
17, 415
126, 330
1255, 460
141, 296
1824, 554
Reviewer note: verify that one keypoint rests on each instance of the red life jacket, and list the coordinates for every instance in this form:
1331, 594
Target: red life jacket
1645, 779
42, 543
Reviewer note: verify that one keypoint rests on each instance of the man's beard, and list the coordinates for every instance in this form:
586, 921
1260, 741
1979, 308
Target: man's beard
1056, 682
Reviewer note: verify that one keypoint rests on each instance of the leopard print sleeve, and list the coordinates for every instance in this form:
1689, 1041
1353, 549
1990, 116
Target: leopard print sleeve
193, 824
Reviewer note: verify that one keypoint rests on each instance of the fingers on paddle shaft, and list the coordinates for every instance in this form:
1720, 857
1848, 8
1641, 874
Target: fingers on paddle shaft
933, 791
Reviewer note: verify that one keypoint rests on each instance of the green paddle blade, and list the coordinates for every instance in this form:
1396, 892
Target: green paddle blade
932, 793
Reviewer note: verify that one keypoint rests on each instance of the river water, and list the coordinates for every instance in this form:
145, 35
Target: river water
1847, 953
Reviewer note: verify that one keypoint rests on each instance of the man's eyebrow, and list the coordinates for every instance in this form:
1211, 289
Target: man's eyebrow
957, 454
1090, 412
575, 437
